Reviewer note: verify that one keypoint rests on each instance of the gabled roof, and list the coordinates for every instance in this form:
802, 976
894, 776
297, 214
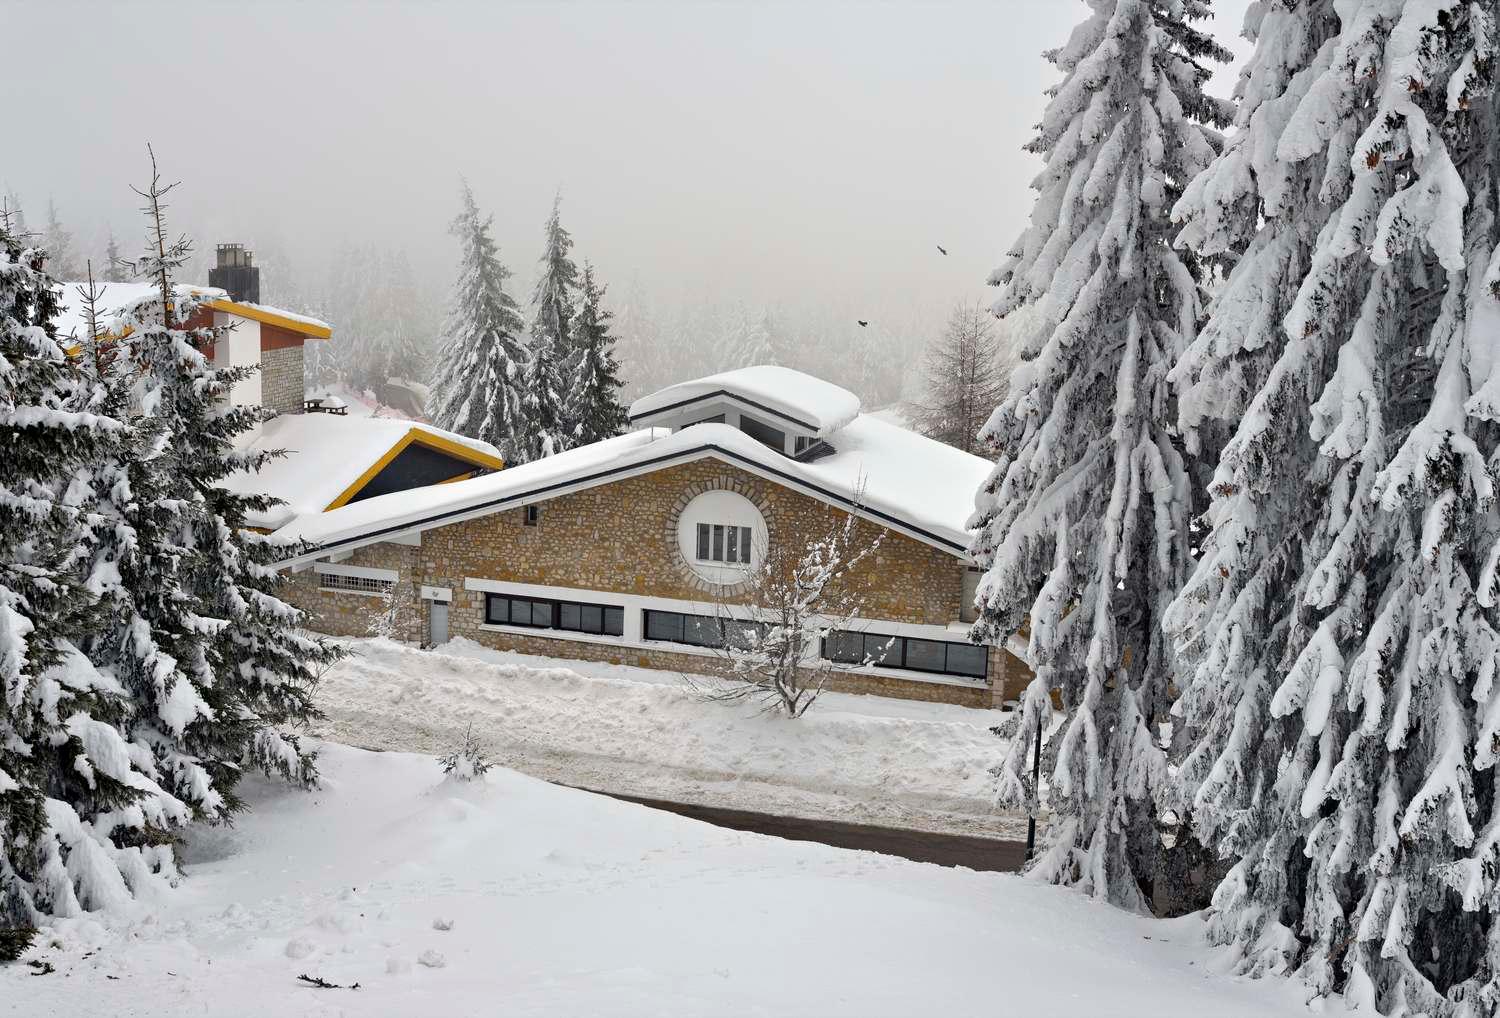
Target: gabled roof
895, 477
812, 405
114, 297
330, 458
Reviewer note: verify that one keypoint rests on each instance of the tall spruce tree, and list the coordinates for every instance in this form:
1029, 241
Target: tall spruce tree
554, 348
61, 260
79, 806
1341, 709
477, 388
1082, 525
597, 413
219, 669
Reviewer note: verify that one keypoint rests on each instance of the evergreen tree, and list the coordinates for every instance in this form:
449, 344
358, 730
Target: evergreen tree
78, 805
477, 390
58, 239
554, 348
1341, 710
597, 412
115, 269
216, 663
965, 378
1082, 523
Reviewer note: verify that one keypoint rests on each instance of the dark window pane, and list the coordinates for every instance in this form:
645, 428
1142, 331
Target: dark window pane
569, 616
701, 631
614, 621
520, 612
763, 433
844, 646
703, 542
883, 650
496, 609
593, 618
967, 659
925, 655
741, 634
541, 613
745, 545
734, 545
718, 555
664, 626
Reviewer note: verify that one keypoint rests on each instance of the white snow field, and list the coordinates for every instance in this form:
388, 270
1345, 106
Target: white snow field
518, 898
634, 731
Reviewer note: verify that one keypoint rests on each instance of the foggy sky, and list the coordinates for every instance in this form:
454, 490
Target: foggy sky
785, 154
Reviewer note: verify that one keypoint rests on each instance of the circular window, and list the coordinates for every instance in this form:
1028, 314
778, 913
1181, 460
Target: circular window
721, 535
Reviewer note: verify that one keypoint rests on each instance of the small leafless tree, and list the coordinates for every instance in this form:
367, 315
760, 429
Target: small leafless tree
398, 612
966, 373
797, 594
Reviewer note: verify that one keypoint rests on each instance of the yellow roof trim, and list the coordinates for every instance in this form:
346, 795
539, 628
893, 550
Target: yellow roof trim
445, 445
260, 314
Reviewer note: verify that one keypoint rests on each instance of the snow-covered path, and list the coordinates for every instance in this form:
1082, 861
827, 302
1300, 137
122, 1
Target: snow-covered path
565, 903
635, 732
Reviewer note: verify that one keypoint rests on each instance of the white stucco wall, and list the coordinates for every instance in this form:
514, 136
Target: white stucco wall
239, 347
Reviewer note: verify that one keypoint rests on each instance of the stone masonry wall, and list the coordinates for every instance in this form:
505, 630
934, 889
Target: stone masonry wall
281, 386
621, 537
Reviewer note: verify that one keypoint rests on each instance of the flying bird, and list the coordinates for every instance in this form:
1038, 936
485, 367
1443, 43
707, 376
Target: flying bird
943, 249
862, 322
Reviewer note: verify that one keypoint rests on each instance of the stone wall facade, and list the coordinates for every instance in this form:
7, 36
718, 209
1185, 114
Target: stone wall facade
281, 385
621, 537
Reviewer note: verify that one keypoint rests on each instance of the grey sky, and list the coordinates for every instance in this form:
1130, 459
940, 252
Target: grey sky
788, 154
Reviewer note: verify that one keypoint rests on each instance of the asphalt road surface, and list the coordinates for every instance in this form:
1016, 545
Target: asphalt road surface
989, 854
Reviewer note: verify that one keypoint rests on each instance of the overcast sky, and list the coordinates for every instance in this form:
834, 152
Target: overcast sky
782, 153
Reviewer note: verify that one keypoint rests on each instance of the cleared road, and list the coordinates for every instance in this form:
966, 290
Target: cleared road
988, 854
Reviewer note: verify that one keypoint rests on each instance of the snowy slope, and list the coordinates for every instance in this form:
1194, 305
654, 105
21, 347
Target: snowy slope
564, 903
856, 758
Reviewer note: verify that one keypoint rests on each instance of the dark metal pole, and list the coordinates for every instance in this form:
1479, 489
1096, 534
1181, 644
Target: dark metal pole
1036, 783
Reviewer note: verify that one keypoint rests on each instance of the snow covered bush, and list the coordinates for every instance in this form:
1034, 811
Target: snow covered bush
770, 631
398, 617
468, 760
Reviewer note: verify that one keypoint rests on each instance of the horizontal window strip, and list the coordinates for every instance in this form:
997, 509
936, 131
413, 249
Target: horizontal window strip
353, 584
501, 609
701, 630
937, 657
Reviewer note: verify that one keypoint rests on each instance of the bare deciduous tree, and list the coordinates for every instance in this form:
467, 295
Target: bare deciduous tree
768, 651
965, 376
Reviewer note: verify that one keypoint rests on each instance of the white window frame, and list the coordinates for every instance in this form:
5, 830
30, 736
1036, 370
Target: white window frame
387, 577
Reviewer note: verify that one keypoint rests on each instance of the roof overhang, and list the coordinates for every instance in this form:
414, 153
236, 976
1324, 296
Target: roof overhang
673, 412
256, 313
565, 486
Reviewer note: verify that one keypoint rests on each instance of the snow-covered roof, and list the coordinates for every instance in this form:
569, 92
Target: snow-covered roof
901, 479
816, 406
114, 297
327, 455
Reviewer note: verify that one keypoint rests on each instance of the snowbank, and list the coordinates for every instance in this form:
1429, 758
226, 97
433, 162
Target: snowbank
630, 731
520, 898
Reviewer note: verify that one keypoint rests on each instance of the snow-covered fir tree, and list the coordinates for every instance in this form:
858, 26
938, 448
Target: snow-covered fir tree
80, 805
476, 390
1341, 712
216, 664
1083, 523
749, 339
965, 375
62, 260
596, 412
554, 348
115, 268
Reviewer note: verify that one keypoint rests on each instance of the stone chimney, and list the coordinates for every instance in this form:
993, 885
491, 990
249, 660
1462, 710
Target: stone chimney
234, 271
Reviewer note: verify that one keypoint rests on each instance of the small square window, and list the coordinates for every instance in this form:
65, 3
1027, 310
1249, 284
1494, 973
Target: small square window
520, 613
883, 650
592, 620
541, 613
614, 621
967, 659
569, 616
926, 655
533, 515
663, 626
845, 647
497, 610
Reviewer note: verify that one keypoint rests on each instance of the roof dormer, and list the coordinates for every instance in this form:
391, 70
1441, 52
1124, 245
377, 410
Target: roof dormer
783, 409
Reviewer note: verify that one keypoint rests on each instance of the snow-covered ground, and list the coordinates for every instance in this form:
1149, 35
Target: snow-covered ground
639, 732
558, 902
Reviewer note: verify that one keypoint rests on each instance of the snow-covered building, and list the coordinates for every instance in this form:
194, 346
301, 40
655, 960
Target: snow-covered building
625, 550
331, 457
